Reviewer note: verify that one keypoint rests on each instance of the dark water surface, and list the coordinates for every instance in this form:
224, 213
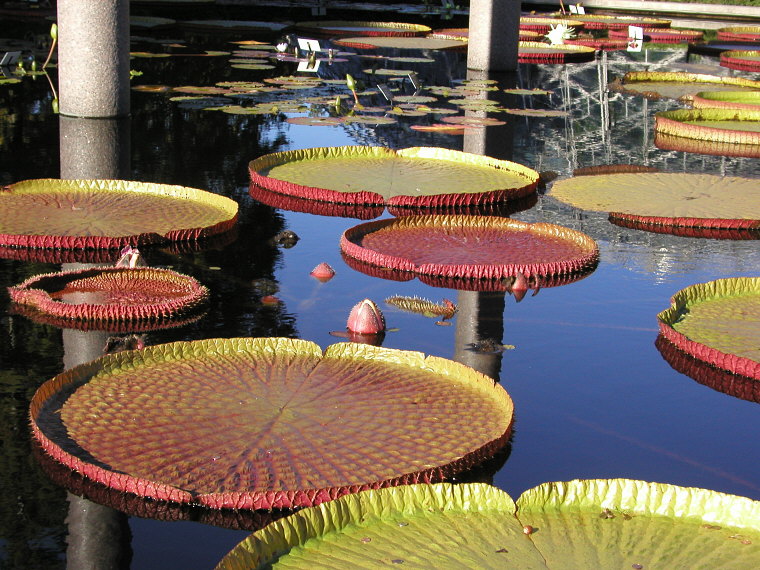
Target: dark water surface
594, 397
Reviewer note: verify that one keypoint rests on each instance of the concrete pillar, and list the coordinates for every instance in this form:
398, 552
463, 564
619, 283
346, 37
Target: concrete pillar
493, 34
93, 58
95, 148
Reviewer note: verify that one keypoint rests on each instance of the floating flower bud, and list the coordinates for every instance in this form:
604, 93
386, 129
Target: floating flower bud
519, 287
366, 318
323, 272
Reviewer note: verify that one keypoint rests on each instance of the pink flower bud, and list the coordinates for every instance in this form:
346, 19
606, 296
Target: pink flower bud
323, 272
519, 287
366, 318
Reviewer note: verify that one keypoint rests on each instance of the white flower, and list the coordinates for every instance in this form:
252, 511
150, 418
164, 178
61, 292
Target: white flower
559, 33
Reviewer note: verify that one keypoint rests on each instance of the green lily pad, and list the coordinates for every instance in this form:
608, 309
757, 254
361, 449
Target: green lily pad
103, 214
719, 125
718, 322
261, 423
665, 199
341, 28
422, 176
616, 523
743, 60
617, 22
678, 85
744, 100
365, 42
539, 52
739, 34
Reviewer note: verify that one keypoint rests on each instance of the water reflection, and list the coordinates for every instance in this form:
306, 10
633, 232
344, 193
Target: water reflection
593, 396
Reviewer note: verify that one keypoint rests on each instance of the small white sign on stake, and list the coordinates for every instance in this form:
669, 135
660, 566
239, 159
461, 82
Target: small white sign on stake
635, 38
310, 66
308, 45
577, 9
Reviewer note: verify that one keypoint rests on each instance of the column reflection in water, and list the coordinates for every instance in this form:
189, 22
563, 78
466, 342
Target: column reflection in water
480, 314
98, 536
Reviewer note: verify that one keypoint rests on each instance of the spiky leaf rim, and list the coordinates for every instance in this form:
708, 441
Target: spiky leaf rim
711, 228
33, 296
666, 141
337, 28
587, 257
742, 100
680, 302
227, 207
684, 77
743, 60
539, 52
681, 123
61, 448
739, 33
263, 163
542, 25
661, 36
706, 374
603, 22
263, 548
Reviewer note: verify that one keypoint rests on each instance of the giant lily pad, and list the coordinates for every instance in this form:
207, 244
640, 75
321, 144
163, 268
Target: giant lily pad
111, 298
343, 28
366, 42
617, 523
743, 60
739, 34
718, 322
708, 375
478, 251
413, 177
617, 22
661, 35
538, 52
260, 423
679, 85
671, 142
743, 100
103, 214
720, 125
667, 199
542, 24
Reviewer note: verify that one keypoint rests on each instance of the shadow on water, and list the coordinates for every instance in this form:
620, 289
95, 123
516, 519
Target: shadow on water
594, 397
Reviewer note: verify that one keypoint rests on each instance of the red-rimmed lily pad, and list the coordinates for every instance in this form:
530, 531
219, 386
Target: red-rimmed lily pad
667, 199
661, 36
606, 44
744, 100
538, 52
708, 375
718, 322
259, 423
412, 177
366, 42
603, 523
108, 214
739, 34
479, 251
743, 60
542, 24
115, 299
345, 28
617, 22
677, 84
735, 126
683, 144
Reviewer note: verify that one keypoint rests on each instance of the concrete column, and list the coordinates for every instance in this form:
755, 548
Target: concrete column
95, 148
93, 58
493, 34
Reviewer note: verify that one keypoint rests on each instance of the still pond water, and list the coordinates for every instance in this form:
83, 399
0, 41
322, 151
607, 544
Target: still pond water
594, 397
